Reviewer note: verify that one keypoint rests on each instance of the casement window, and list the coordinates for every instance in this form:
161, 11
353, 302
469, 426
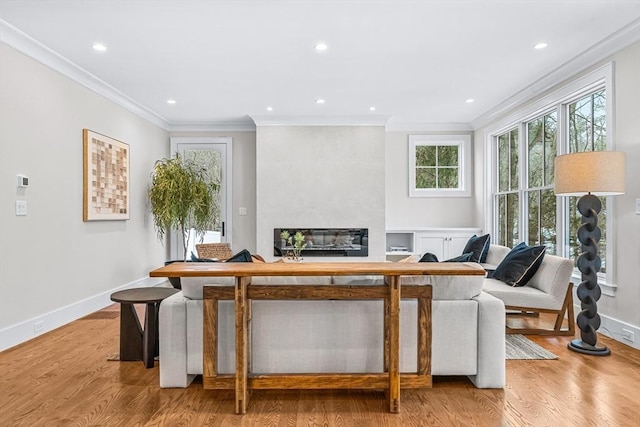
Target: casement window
522, 150
439, 165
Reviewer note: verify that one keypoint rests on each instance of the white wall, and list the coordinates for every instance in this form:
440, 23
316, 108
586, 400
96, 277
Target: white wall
244, 185
409, 212
51, 259
321, 176
621, 310
625, 306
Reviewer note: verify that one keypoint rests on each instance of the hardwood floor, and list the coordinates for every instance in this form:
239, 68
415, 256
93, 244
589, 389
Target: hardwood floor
63, 378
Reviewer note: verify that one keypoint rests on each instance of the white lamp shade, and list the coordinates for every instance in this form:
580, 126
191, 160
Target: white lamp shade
600, 173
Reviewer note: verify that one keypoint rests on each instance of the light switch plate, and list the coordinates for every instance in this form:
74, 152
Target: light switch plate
21, 207
242, 211
637, 206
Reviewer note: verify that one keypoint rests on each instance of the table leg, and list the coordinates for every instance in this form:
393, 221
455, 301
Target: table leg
394, 342
241, 344
386, 336
210, 338
424, 336
150, 334
130, 333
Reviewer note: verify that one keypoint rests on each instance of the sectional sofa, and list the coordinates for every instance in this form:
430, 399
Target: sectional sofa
468, 331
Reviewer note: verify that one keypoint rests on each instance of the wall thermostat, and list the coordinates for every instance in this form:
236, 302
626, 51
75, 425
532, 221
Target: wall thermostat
23, 181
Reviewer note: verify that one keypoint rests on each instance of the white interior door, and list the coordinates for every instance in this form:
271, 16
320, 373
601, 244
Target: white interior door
215, 155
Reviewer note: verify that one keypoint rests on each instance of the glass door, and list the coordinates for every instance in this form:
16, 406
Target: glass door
213, 154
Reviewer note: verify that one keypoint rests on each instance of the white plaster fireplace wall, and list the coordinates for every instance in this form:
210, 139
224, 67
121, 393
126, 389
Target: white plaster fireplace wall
321, 176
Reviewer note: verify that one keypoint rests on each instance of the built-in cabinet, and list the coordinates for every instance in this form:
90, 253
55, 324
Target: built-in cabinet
445, 243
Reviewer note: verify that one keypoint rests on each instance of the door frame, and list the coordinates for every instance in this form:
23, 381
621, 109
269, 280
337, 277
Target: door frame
174, 246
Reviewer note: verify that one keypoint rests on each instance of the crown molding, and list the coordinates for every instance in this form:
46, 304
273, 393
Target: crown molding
239, 126
347, 120
398, 126
600, 51
34, 49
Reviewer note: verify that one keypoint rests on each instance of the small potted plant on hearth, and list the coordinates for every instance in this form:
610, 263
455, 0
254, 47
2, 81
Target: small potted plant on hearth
295, 245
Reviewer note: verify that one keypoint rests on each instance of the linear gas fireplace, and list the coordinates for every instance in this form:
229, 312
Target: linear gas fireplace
334, 242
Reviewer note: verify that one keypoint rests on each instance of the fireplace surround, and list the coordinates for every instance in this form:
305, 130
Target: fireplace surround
328, 242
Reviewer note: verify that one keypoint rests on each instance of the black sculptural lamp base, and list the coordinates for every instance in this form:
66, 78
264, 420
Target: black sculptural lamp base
584, 348
588, 291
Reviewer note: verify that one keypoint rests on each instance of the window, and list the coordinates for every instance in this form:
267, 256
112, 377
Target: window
587, 132
523, 148
507, 197
540, 199
439, 165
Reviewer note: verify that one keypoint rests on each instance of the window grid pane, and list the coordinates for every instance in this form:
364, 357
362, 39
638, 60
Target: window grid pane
535, 130
503, 162
437, 166
513, 164
550, 147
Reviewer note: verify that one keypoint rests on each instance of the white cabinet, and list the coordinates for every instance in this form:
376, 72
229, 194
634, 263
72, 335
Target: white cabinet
445, 243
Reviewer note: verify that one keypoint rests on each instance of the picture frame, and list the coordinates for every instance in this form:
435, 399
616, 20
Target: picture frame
106, 177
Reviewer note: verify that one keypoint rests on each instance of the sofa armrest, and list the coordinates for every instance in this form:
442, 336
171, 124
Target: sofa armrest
173, 342
491, 342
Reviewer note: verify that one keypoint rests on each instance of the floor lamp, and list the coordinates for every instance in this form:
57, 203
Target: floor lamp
589, 174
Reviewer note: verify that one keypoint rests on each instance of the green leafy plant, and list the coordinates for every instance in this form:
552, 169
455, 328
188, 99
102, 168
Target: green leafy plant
296, 242
181, 198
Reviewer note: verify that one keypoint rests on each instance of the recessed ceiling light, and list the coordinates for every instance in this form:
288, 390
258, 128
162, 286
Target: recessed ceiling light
372, 108
469, 101
540, 45
319, 101
99, 47
269, 108
321, 46
171, 101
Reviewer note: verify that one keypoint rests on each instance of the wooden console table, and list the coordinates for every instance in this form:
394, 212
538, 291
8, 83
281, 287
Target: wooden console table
243, 292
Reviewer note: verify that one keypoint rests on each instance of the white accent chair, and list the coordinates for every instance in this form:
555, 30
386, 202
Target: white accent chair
548, 291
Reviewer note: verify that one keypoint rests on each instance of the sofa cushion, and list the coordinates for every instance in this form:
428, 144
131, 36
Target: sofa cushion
192, 286
291, 280
523, 296
479, 247
242, 256
448, 287
429, 257
519, 266
496, 255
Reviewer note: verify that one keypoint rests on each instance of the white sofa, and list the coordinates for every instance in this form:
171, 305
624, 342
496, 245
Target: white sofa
339, 336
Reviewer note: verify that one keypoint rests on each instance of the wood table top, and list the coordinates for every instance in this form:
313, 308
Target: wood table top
143, 295
244, 269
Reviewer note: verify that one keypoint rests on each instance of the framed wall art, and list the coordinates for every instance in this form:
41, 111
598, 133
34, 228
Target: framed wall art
106, 178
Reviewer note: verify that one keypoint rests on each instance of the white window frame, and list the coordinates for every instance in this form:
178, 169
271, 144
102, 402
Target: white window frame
463, 142
600, 78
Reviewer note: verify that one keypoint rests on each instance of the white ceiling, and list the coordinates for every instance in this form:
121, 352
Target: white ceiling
415, 61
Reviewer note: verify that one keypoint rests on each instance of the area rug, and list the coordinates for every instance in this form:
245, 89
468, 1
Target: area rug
518, 347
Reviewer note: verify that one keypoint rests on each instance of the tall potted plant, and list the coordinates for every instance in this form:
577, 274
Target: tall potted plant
182, 198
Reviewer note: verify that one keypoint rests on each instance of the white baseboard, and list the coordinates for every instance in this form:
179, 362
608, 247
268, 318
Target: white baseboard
613, 328
24, 331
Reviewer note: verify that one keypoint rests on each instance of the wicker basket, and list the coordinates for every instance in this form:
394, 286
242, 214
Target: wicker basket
221, 251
